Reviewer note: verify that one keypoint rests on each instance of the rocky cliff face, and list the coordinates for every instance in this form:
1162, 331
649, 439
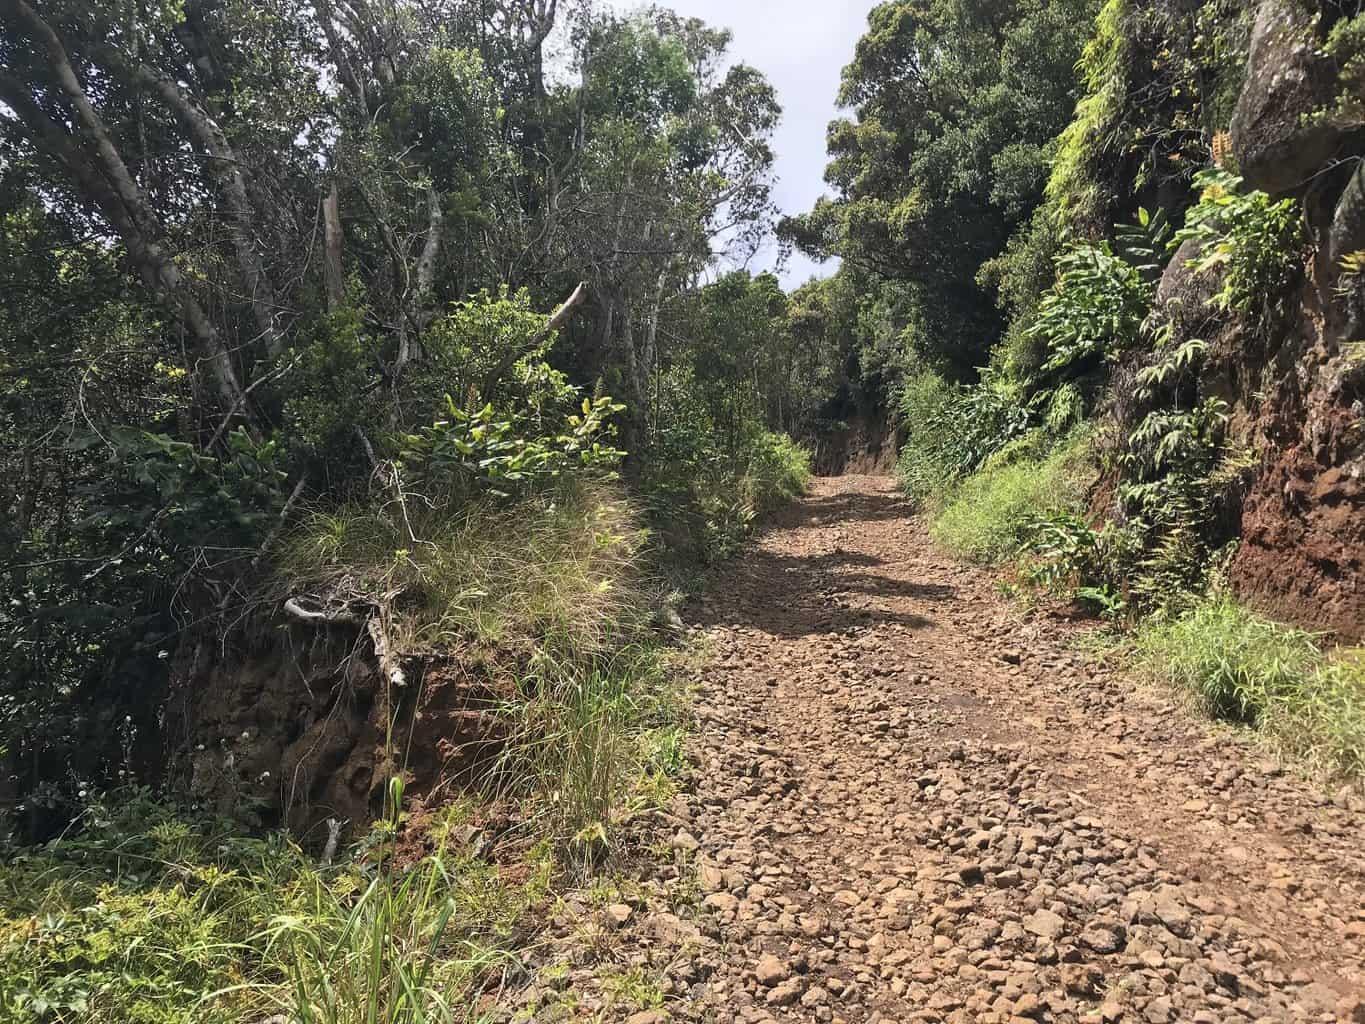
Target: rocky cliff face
1302, 555
867, 444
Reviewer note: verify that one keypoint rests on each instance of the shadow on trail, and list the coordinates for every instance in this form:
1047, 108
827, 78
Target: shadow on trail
790, 593
887, 586
847, 507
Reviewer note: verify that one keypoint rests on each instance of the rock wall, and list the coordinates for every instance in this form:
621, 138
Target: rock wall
1302, 555
867, 445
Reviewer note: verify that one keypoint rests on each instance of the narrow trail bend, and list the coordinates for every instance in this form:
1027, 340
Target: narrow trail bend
915, 806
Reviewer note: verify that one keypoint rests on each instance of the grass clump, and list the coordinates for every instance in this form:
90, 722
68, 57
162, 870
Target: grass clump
558, 567
153, 915
1307, 701
989, 515
706, 502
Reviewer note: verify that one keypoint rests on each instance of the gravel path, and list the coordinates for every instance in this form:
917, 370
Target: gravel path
913, 805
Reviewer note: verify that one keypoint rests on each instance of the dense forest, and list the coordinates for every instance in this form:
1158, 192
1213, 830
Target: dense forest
380, 378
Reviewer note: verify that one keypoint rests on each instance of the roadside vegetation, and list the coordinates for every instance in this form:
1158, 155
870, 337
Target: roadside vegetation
396, 336
1079, 403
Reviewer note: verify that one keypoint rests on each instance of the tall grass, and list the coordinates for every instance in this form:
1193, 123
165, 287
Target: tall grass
988, 516
152, 916
561, 566
160, 916
1307, 701
705, 501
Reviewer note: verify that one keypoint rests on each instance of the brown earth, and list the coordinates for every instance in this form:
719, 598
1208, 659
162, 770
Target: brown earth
866, 445
913, 804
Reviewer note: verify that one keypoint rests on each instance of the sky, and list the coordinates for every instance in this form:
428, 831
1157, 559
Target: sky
801, 46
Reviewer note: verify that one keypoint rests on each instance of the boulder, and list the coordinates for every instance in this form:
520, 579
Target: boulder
1178, 281
1278, 145
1347, 234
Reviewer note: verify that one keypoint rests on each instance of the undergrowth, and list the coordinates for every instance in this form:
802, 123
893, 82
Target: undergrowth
559, 569
987, 517
1309, 702
705, 503
150, 915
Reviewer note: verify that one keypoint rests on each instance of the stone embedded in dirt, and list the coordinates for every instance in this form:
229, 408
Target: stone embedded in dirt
1045, 924
672, 930
723, 902
1008, 878
1083, 980
847, 898
617, 914
770, 970
1053, 779
1175, 917
784, 994
1351, 1010
648, 1017
1103, 938
1159, 1011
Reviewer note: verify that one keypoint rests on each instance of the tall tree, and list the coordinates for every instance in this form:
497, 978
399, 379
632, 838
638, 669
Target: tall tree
955, 105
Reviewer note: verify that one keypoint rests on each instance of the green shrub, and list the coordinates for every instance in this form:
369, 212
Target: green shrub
951, 429
778, 471
146, 914
470, 453
1092, 313
1251, 238
1247, 669
988, 517
560, 568
705, 494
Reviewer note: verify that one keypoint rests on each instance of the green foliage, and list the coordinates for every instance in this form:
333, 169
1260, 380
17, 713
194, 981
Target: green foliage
1346, 46
1063, 554
988, 517
587, 743
955, 109
951, 430
341, 228
1253, 242
151, 915
1159, 81
1093, 312
1245, 668
719, 451
707, 487
478, 452
1072, 188
557, 569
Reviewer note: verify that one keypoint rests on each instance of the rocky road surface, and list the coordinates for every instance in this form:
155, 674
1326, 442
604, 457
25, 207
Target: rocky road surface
914, 805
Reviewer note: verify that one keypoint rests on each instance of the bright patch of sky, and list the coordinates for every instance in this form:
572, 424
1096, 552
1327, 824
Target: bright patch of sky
802, 47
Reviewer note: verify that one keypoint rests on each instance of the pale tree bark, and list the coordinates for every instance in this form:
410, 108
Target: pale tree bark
227, 169
416, 311
558, 319
105, 180
332, 241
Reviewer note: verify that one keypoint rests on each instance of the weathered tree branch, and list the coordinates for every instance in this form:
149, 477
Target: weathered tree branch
331, 243
226, 168
106, 181
559, 319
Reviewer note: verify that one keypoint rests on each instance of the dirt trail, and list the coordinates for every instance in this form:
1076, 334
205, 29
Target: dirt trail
914, 806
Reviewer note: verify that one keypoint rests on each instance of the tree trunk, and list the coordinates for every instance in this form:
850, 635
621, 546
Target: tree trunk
331, 244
